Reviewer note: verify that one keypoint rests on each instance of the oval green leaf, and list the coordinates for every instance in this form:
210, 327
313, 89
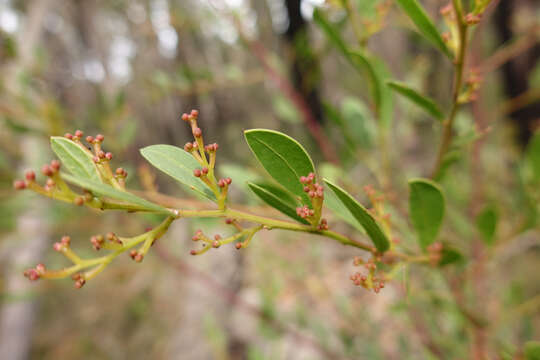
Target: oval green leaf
422, 101
486, 222
423, 23
362, 216
277, 199
178, 164
282, 157
426, 208
104, 190
74, 158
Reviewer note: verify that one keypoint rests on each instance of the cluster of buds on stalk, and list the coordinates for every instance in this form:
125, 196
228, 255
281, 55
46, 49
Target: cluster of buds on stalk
83, 270
369, 279
378, 209
435, 253
55, 187
450, 16
217, 240
206, 157
315, 191
472, 82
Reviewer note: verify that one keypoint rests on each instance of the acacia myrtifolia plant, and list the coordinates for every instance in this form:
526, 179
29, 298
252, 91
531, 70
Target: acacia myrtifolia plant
301, 198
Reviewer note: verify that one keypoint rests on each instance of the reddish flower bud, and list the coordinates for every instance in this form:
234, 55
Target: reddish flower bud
197, 132
58, 246
79, 201
216, 244
238, 246
80, 283
19, 184
188, 147
205, 170
32, 274
50, 183
138, 257
66, 240
228, 181
303, 179
101, 154
133, 253
40, 268
68, 136
193, 252
119, 171
89, 139
108, 156
221, 183
30, 175
95, 159
185, 117
55, 165
194, 113
100, 138
79, 134
46, 170
197, 172
228, 221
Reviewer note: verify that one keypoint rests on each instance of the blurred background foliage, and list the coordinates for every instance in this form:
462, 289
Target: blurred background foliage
128, 69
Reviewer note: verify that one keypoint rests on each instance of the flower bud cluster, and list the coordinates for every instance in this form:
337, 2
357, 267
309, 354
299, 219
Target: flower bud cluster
369, 281
315, 191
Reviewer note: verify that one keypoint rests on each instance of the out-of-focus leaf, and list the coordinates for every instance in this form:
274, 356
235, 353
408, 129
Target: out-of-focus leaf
533, 156
358, 122
282, 157
285, 110
532, 350
104, 190
78, 161
426, 206
277, 199
423, 23
330, 31
178, 164
449, 256
362, 216
424, 102
486, 222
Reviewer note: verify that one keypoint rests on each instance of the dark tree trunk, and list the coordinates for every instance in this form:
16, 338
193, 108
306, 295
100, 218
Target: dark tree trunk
516, 72
304, 67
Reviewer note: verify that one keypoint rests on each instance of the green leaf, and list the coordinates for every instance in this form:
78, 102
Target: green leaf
486, 222
277, 199
332, 202
423, 23
282, 157
362, 216
532, 350
533, 157
104, 190
426, 206
424, 102
75, 159
449, 256
330, 31
178, 164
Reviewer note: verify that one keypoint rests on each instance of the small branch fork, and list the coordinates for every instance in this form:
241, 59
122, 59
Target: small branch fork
82, 269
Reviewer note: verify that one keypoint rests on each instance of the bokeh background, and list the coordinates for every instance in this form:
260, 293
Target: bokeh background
128, 69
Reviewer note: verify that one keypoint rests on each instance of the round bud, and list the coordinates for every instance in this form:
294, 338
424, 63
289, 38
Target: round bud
95, 159
68, 136
205, 170
30, 175
306, 189
133, 253
19, 184
108, 156
89, 139
221, 183
194, 113
216, 244
79, 201
197, 132
80, 283
46, 170
303, 179
193, 252
65, 240
228, 221
55, 165
119, 171
100, 138
185, 117
238, 246
58, 246
188, 147
101, 154
228, 181
138, 257
50, 183
32, 274
197, 172
40, 268
79, 134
